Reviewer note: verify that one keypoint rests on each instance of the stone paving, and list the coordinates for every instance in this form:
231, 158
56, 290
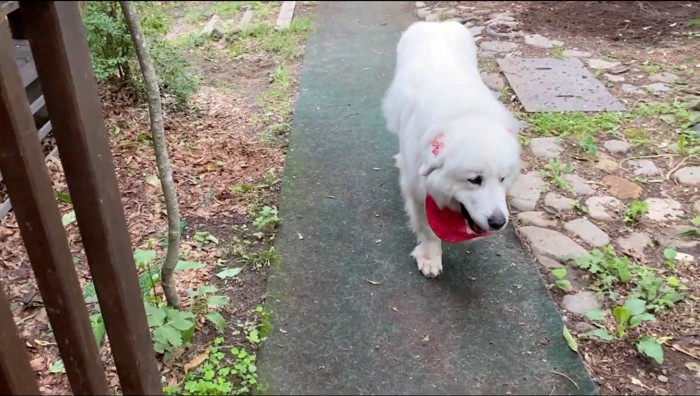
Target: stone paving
559, 227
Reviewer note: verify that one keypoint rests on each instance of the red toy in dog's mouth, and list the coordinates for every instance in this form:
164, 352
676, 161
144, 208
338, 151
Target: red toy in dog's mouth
449, 225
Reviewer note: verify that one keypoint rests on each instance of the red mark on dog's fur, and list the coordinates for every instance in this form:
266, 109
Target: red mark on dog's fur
437, 146
509, 129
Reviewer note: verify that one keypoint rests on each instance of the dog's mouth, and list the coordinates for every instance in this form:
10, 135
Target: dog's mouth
472, 224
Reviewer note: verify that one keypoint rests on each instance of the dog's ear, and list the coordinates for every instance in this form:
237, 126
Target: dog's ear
434, 160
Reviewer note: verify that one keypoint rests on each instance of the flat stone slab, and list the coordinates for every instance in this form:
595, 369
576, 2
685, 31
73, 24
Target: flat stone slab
351, 316
549, 85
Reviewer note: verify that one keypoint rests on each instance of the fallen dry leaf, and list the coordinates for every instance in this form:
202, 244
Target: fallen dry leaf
199, 359
38, 364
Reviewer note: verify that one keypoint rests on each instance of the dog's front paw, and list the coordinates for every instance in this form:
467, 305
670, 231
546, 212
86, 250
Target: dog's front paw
429, 264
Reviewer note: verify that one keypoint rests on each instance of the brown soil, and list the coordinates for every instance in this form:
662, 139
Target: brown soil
643, 22
213, 148
616, 31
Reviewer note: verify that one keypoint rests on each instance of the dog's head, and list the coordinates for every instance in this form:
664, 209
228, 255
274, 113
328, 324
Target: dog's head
470, 167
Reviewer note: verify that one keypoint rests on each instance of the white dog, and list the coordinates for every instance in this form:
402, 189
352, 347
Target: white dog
459, 153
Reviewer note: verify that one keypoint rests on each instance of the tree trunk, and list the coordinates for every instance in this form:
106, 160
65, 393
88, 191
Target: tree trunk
166, 176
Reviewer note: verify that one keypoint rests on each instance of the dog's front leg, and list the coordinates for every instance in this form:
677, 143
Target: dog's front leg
428, 252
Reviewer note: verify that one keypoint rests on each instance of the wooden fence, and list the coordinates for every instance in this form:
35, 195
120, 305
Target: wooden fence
30, 80
60, 51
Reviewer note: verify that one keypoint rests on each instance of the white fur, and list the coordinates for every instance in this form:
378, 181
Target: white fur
437, 92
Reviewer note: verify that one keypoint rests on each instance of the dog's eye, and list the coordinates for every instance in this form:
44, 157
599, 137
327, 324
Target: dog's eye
475, 180
503, 179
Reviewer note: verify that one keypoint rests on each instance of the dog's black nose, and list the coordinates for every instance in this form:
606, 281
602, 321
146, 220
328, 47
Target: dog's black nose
497, 221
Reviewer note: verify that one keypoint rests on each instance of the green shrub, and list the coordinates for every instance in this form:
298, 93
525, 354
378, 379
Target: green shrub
113, 56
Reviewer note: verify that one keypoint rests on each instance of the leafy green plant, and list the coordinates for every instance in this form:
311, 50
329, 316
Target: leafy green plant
267, 217
245, 369
695, 232
659, 293
171, 328
112, 53
241, 189
635, 211
608, 267
575, 123
652, 69
651, 347
588, 144
627, 316
560, 282
204, 237
555, 171
204, 301
211, 377
638, 137
557, 52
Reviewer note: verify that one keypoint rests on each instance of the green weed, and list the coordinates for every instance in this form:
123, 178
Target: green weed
635, 211
555, 171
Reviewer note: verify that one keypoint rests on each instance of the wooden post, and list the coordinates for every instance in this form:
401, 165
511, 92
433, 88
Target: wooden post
61, 53
16, 375
29, 187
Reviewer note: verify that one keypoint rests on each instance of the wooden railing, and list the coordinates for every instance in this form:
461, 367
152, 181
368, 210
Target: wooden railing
30, 80
60, 52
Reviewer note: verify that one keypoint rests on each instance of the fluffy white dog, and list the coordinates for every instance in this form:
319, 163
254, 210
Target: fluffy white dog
459, 153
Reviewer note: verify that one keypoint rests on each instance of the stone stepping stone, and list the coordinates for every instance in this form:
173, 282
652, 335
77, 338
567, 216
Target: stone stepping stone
546, 148
581, 302
552, 244
588, 232
539, 219
539, 41
657, 88
526, 191
498, 46
644, 168
664, 77
616, 146
547, 85
576, 54
663, 209
634, 245
671, 237
558, 204
690, 175
581, 187
604, 208
599, 64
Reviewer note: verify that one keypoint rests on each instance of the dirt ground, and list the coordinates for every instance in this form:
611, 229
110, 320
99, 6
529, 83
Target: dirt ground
220, 145
226, 166
634, 22
646, 38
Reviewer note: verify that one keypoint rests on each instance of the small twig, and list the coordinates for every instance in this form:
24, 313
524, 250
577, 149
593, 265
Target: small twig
335, 127
675, 168
643, 157
28, 317
683, 351
567, 377
349, 115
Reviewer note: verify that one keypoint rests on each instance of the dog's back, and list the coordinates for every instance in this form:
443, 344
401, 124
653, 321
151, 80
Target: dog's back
438, 43
435, 63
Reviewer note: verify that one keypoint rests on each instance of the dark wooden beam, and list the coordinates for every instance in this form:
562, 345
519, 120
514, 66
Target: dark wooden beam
16, 375
61, 53
29, 186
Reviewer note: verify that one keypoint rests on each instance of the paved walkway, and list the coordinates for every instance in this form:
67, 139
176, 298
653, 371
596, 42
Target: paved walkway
350, 312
